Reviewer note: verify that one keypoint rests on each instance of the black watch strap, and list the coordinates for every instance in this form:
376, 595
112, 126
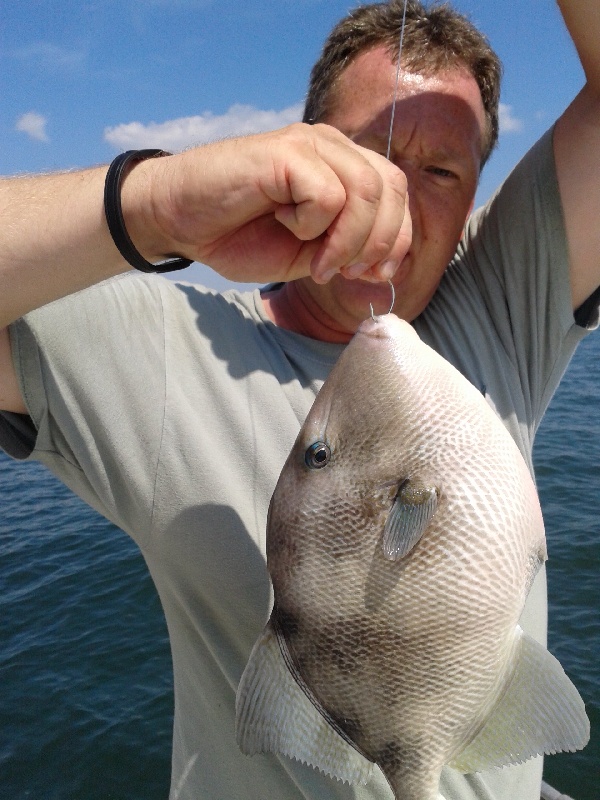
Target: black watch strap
114, 214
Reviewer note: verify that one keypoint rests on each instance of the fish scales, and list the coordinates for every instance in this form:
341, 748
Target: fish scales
403, 536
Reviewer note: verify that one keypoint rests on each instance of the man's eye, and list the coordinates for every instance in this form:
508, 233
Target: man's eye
443, 173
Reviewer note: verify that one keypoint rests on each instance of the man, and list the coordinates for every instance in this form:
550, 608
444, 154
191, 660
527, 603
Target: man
171, 410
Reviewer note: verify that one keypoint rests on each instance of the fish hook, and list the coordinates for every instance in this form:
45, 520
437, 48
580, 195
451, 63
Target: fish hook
373, 317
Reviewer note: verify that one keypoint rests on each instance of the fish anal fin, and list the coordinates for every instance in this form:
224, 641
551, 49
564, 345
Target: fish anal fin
540, 712
409, 516
273, 714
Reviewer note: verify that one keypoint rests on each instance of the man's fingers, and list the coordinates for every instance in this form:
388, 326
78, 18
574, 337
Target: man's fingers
348, 240
386, 269
367, 228
351, 198
317, 202
330, 206
323, 174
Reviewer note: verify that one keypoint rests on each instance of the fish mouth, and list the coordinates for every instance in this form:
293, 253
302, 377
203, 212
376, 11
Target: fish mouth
385, 327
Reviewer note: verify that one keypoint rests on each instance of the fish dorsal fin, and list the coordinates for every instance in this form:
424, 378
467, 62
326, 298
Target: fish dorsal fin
273, 714
540, 712
409, 516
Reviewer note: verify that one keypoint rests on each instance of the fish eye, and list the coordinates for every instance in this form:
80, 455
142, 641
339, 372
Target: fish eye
317, 455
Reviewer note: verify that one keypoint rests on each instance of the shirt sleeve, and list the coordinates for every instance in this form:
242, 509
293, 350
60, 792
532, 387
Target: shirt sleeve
91, 369
517, 250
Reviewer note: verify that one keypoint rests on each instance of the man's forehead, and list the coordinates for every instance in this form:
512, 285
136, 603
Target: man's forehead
377, 65
369, 84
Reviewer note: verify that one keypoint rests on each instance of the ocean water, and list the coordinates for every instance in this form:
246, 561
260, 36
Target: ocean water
85, 675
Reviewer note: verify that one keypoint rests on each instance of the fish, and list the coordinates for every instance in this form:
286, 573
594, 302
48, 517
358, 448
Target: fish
403, 536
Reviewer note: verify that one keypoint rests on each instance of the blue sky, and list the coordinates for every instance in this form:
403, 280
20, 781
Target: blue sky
81, 81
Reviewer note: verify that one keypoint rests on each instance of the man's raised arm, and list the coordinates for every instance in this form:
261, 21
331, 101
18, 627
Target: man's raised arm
271, 207
275, 206
577, 151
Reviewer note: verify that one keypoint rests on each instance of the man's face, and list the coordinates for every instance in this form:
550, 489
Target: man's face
437, 139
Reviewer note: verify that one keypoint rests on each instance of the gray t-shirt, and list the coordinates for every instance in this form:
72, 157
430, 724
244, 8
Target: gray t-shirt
171, 410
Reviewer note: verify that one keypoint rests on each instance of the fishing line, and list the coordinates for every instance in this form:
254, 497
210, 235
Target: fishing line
400, 43
392, 117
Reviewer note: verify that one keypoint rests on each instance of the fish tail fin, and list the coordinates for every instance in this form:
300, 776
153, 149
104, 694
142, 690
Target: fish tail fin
414, 784
540, 712
273, 714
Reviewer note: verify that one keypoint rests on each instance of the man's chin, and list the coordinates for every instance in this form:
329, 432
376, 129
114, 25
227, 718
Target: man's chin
356, 296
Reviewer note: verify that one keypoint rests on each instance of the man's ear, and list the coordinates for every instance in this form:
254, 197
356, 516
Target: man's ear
469, 212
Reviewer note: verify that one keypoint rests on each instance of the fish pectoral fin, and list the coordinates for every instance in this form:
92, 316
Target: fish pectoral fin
409, 516
273, 714
539, 712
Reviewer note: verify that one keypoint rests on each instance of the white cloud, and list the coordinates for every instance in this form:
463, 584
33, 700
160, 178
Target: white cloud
34, 125
508, 122
50, 55
177, 134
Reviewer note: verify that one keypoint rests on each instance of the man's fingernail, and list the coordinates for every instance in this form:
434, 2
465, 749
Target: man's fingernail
328, 275
387, 270
354, 270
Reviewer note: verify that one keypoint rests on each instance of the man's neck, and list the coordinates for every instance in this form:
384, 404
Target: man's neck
293, 308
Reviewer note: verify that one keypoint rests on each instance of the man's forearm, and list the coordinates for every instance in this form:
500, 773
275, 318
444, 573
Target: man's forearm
582, 18
54, 240
264, 208
577, 153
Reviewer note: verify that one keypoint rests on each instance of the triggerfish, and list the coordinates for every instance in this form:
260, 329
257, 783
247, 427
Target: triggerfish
403, 536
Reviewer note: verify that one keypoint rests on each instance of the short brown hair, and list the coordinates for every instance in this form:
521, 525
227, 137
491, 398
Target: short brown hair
435, 38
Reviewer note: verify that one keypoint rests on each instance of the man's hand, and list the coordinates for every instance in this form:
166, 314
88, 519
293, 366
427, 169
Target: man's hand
273, 207
300, 201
